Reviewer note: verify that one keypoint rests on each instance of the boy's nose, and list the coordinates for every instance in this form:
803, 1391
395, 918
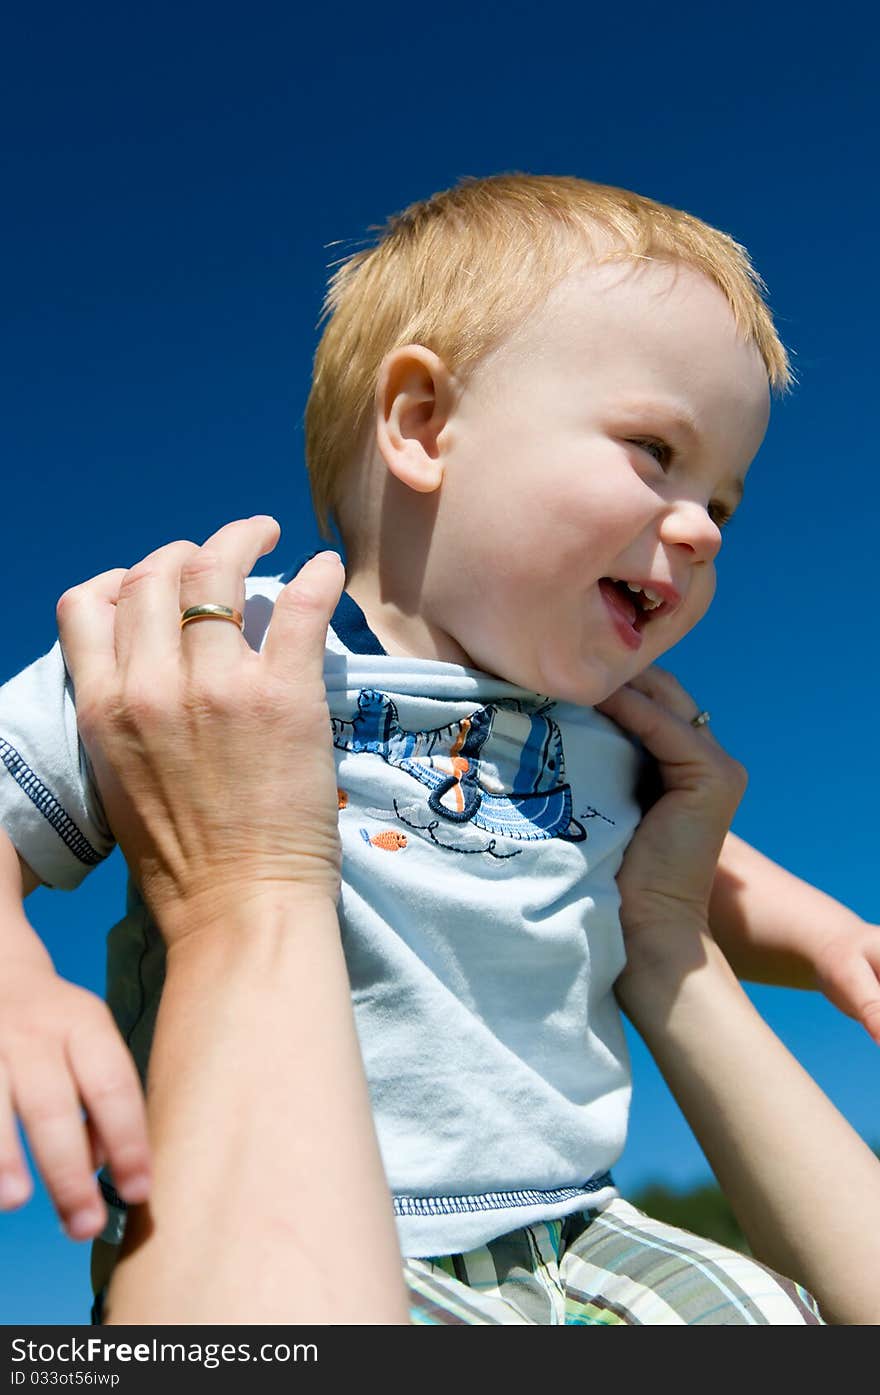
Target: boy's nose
687, 524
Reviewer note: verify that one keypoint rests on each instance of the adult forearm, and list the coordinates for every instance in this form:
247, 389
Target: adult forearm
263, 1136
775, 1149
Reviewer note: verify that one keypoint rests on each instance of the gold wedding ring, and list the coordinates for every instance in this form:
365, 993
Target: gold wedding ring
211, 612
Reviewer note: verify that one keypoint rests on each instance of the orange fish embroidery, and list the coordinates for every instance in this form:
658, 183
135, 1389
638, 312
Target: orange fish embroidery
342, 796
389, 840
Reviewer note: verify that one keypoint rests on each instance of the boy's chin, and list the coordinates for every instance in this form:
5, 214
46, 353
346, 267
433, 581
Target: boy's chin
584, 684
590, 688
584, 689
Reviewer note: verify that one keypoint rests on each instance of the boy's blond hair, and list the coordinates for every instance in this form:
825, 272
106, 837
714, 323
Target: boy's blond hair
458, 271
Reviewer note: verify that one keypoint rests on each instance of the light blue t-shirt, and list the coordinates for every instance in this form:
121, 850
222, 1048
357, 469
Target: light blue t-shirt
482, 828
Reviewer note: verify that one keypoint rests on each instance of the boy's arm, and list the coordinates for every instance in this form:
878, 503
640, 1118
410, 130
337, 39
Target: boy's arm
60, 1053
29, 879
775, 928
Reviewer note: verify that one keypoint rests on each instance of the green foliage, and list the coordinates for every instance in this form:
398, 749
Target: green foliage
703, 1210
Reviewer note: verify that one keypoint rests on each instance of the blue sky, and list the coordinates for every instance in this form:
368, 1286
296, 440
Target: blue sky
177, 181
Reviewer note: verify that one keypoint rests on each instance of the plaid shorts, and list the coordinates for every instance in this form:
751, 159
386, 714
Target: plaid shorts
595, 1269
598, 1268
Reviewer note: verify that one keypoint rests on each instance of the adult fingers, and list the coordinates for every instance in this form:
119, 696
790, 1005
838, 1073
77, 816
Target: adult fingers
294, 646
661, 685
245, 540
673, 740
86, 618
157, 589
148, 612
215, 575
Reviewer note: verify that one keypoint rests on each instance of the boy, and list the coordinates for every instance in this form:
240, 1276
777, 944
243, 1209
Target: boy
533, 409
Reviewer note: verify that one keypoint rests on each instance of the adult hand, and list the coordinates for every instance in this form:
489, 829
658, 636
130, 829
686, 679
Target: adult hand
188, 728
769, 1134
216, 767
669, 867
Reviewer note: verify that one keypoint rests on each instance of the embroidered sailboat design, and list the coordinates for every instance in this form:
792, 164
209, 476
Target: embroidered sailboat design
501, 768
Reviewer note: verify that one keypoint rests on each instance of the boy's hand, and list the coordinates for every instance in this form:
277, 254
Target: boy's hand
60, 1054
847, 968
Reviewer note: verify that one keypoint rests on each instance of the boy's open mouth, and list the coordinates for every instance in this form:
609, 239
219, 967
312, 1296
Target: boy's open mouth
631, 602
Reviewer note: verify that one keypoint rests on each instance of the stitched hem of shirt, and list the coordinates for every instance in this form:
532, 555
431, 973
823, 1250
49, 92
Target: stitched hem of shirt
496, 1201
44, 800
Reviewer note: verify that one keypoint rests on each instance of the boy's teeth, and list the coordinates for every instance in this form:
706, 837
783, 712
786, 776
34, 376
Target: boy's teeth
651, 599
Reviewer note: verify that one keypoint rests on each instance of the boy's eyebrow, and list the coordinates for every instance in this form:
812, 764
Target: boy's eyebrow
675, 416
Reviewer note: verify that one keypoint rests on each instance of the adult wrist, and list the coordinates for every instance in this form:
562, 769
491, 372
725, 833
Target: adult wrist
242, 915
661, 959
658, 936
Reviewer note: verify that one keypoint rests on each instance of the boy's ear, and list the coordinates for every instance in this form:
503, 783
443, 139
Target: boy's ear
414, 399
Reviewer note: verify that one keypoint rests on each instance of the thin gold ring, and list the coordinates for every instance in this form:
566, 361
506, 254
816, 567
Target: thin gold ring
211, 612
701, 720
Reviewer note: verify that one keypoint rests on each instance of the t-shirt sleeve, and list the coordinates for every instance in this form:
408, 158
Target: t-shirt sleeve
49, 803
50, 807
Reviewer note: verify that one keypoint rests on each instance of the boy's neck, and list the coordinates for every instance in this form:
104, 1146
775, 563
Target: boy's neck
402, 629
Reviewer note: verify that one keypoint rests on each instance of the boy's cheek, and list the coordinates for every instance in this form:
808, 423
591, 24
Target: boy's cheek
671, 634
696, 607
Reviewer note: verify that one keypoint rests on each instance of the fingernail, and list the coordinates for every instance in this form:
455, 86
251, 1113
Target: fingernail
328, 557
14, 1190
136, 1188
82, 1225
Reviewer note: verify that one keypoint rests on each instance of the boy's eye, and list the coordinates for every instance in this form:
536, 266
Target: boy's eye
661, 452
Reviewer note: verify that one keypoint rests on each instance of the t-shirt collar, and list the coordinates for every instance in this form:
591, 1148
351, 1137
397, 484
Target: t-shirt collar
349, 623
